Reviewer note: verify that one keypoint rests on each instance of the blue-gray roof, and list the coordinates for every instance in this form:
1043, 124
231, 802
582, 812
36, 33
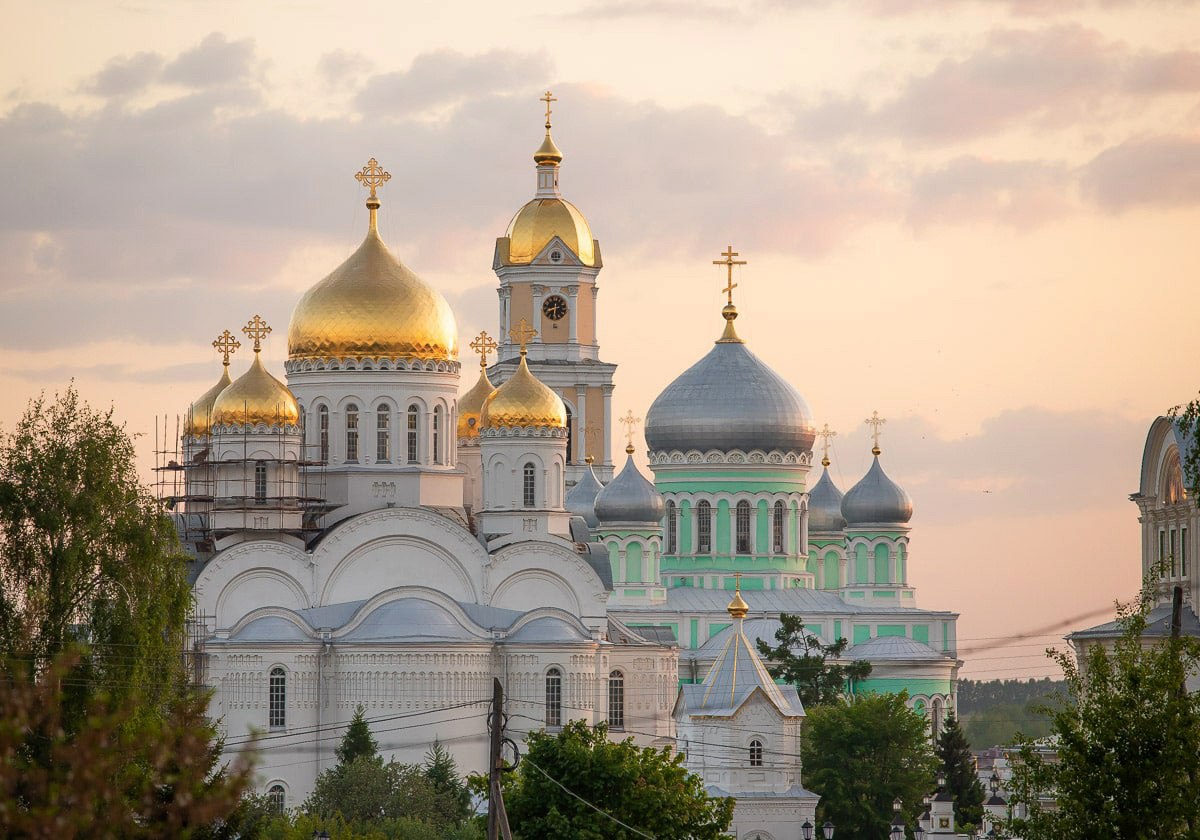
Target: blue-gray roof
581, 500
629, 499
825, 506
876, 500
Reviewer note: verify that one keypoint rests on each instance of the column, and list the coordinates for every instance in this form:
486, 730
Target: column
803, 547
424, 440
608, 392
573, 314
595, 318
753, 528
536, 317
505, 293
580, 415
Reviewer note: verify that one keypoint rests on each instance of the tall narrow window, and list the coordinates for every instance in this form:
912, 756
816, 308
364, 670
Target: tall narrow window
616, 700
260, 482
323, 432
352, 432
277, 700
528, 486
383, 434
413, 413
1162, 552
756, 753
1174, 553
743, 527
777, 529
554, 697
672, 527
437, 435
1183, 558
704, 528
937, 719
276, 798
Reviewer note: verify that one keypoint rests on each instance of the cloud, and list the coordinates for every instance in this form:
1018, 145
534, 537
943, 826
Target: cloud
1022, 194
126, 75
1150, 171
215, 61
340, 65
674, 9
445, 77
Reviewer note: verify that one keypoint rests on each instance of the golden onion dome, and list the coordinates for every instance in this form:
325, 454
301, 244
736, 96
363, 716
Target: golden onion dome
547, 154
541, 220
256, 397
199, 416
523, 401
470, 405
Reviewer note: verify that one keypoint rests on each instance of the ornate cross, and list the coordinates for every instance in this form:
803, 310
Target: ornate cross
226, 345
826, 434
372, 176
875, 421
256, 329
729, 262
630, 422
484, 345
522, 333
548, 99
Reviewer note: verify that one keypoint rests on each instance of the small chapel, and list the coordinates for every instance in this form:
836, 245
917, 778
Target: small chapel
375, 528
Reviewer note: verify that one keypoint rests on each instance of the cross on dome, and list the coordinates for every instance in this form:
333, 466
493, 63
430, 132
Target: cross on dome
630, 423
256, 329
372, 176
826, 434
729, 262
548, 98
484, 345
522, 333
875, 421
226, 345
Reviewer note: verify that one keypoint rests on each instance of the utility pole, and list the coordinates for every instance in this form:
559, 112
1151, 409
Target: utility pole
497, 818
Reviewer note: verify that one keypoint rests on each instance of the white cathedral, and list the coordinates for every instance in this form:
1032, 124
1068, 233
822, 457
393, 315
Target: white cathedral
365, 534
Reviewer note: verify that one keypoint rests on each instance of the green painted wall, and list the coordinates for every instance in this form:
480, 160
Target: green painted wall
861, 634
633, 563
685, 527
721, 531
894, 685
890, 630
837, 630
764, 532
614, 560
920, 633
860, 564
830, 579
882, 572
902, 564
695, 633
714, 629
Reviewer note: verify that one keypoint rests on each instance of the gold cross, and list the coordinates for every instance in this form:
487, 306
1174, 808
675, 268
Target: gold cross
522, 334
372, 176
483, 344
630, 422
548, 99
729, 262
256, 329
826, 434
875, 421
226, 344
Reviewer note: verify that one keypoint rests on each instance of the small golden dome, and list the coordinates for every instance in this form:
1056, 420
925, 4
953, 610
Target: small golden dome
523, 401
471, 403
738, 608
256, 397
541, 220
547, 153
199, 416
373, 306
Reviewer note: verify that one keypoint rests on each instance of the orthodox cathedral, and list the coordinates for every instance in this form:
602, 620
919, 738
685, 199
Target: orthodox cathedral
379, 532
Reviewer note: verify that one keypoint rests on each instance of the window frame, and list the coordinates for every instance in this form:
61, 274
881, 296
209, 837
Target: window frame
672, 528
704, 523
778, 529
323, 433
742, 542
413, 434
352, 432
616, 700
277, 698
383, 434
437, 434
260, 482
277, 798
553, 682
529, 485
756, 752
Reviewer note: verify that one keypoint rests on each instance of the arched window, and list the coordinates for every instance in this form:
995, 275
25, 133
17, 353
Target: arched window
437, 434
743, 527
413, 412
528, 486
277, 699
276, 798
554, 697
1173, 489
704, 528
777, 529
260, 482
756, 753
323, 432
352, 432
383, 434
616, 700
672, 527
936, 719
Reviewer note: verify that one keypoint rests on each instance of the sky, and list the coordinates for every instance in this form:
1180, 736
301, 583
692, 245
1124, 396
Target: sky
976, 217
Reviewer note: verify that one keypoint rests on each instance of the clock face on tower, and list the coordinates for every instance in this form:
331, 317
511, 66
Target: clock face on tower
554, 308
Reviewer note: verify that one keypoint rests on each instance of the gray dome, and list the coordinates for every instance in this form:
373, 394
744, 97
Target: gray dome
730, 399
876, 500
581, 501
629, 498
825, 506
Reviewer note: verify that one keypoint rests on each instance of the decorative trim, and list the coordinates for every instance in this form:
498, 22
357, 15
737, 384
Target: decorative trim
256, 428
372, 363
523, 431
733, 456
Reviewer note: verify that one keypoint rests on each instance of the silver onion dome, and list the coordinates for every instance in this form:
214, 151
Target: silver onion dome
629, 499
876, 500
581, 501
825, 506
730, 399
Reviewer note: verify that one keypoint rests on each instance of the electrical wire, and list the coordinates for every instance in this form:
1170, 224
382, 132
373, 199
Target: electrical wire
596, 808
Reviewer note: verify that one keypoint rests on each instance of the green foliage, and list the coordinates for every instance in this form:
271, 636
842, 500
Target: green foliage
1124, 756
645, 788
1187, 418
962, 782
1006, 723
441, 771
300, 826
861, 756
818, 681
358, 740
981, 695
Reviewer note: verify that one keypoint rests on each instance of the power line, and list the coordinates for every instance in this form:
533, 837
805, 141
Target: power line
595, 808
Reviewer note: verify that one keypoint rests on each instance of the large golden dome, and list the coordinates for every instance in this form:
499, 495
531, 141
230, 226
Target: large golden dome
199, 416
256, 397
541, 220
523, 401
471, 403
373, 306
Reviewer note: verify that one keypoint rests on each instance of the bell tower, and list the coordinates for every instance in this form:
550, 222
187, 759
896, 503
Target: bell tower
547, 263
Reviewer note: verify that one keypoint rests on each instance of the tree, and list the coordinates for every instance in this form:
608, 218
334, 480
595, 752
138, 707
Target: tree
817, 680
961, 779
442, 772
581, 785
1187, 418
1125, 748
862, 755
358, 740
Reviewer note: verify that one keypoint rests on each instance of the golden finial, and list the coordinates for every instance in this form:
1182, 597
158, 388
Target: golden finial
875, 421
484, 345
589, 460
226, 345
737, 608
373, 177
522, 334
548, 98
826, 435
630, 422
729, 313
256, 329
548, 153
